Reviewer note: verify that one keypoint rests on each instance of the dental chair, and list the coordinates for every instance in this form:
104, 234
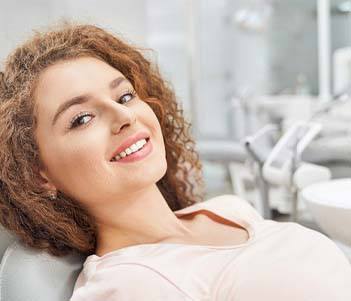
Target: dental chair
32, 275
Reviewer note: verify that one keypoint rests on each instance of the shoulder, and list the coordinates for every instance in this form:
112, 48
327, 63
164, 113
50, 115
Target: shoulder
128, 281
227, 199
227, 206
231, 202
223, 202
319, 240
315, 248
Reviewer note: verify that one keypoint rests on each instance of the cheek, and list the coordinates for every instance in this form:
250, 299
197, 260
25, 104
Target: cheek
154, 124
71, 164
160, 137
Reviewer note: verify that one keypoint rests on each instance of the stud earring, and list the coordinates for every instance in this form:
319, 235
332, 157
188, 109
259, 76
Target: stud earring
52, 196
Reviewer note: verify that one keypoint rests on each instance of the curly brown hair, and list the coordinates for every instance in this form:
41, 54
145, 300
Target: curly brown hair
62, 226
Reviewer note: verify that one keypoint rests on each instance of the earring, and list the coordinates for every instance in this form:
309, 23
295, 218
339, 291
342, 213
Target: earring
52, 196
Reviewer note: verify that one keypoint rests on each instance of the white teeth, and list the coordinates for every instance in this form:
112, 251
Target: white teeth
140, 143
128, 151
134, 147
131, 149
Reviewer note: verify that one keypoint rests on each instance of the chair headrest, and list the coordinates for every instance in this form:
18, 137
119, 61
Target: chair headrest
32, 275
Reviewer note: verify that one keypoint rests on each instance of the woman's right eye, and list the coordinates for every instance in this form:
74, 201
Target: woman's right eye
78, 120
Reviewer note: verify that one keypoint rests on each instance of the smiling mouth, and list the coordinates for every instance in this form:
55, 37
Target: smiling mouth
129, 152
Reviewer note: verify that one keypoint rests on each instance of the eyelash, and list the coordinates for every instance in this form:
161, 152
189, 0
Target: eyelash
72, 124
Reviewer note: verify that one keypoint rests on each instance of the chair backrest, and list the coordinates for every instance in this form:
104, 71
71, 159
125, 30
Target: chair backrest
32, 275
6, 239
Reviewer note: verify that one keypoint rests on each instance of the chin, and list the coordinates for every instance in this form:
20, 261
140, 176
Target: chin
150, 174
161, 170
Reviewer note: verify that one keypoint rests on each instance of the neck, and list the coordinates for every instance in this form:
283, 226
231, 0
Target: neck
141, 218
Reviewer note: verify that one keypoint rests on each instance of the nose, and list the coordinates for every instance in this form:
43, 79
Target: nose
122, 116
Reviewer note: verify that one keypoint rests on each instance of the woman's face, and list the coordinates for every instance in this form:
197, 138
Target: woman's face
77, 143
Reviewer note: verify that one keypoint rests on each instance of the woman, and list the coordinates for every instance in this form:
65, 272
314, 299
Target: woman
97, 158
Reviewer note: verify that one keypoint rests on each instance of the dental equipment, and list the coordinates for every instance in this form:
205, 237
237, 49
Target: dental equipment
285, 159
324, 49
285, 156
258, 148
338, 98
330, 205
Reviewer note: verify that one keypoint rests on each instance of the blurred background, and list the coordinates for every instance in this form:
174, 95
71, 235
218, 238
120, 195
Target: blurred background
265, 84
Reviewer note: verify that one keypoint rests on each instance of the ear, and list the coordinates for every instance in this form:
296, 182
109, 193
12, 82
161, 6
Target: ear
46, 181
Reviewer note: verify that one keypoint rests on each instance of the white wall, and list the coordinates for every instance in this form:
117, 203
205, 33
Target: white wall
168, 34
19, 18
155, 24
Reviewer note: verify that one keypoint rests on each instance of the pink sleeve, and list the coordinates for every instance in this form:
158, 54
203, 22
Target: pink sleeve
129, 281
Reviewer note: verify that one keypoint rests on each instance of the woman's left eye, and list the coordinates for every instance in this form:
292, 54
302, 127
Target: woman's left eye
127, 96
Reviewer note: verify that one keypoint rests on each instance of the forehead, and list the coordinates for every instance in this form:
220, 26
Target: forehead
70, 78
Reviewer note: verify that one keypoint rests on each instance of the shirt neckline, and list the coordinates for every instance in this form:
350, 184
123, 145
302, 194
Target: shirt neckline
248, 226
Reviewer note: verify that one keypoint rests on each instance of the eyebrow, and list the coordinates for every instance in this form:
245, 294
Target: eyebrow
82, 99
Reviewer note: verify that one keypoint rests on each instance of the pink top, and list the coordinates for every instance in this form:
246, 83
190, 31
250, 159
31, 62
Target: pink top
280, 261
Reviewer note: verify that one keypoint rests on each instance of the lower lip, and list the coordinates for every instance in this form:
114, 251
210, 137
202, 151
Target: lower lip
139, 155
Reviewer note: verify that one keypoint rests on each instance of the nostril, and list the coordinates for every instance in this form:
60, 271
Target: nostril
123, 126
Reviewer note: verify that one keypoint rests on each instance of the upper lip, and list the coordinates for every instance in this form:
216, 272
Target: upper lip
129, 141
